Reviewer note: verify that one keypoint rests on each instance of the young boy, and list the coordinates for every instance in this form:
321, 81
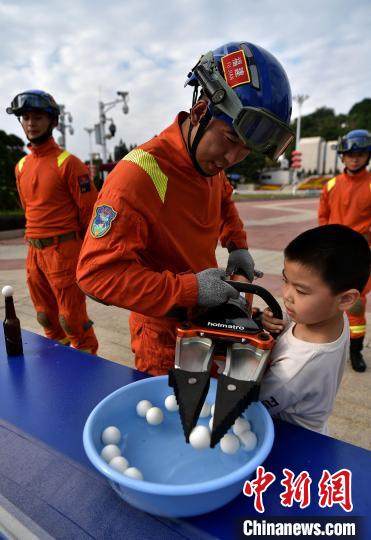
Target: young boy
325, 270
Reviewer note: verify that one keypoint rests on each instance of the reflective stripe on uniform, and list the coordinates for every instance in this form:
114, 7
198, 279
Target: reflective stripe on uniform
330, 184
21, 163
361, 329
149, 164
62, 157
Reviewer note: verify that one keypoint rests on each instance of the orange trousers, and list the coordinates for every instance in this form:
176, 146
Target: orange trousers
153, 343
357, 315
60, 304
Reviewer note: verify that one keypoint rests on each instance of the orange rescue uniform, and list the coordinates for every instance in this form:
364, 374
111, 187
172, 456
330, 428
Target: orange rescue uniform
346, 200
58, 197
156, 224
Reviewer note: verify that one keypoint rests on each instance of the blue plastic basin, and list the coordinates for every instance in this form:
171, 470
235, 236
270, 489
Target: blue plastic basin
178, 480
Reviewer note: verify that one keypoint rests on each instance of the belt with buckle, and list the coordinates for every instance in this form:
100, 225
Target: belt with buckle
41, 243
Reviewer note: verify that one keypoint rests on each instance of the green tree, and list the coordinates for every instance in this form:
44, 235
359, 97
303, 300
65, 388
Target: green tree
121, 150
360, 115
11, 151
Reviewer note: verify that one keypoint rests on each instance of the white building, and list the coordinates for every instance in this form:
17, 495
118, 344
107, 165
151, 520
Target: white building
318, 156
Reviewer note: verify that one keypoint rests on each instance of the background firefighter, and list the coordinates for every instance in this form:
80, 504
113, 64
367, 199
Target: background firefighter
58, 197
346, 200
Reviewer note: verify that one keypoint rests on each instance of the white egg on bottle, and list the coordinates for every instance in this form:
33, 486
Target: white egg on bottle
119, 463
229, 444
171, 403
111, 435
142, 407
241, 425
248, 440
200, 437
155, 416
109, 452
133, 472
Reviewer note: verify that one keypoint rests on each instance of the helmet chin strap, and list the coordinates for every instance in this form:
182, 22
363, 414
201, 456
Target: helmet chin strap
192, 148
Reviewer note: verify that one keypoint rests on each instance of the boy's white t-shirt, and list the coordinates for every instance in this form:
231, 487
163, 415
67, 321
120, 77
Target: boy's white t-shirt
301, 383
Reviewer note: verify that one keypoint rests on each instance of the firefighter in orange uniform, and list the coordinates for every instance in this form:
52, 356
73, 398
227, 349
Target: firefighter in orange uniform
346, 199
58, 198
163, 209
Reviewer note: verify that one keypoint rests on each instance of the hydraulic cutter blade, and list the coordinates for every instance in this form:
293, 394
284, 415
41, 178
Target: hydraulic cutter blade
190, 378
238, 386
190, 389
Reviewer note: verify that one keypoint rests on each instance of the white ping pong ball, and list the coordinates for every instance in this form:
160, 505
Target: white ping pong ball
133, 472
7, 290
241, 425
248, 440
109, 452
154, 416
171, 403
143, 406
119, 463
229, 443
111, 435
200, 437
205, 411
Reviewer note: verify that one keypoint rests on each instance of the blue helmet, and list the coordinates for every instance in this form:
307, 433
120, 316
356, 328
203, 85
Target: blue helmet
357, 140
33, 100
247, 88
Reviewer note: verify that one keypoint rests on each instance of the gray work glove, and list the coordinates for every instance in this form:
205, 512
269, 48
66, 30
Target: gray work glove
240, 259
212, 288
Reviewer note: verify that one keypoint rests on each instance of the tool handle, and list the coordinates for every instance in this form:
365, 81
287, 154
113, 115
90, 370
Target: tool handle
260, 291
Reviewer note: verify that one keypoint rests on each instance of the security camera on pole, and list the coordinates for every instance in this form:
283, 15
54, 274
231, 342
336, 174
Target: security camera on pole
100, 129
64, 117
296, 154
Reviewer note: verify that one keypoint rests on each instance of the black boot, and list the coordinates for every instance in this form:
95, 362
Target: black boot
356, 358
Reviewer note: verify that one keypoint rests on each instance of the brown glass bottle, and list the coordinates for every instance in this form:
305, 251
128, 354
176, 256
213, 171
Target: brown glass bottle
12, 329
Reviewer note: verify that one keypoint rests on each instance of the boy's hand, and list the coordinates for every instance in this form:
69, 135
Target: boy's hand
271, 324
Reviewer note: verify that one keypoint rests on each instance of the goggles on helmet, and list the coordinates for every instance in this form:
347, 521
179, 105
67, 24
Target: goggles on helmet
361, 143
29, 101
259, 129
263, 132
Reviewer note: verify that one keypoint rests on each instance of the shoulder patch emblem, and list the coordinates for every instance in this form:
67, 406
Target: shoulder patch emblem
102, 221
84, 183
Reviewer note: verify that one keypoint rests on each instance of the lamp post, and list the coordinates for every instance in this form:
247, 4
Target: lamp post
299, 98
64, 117
100, 129
89, 132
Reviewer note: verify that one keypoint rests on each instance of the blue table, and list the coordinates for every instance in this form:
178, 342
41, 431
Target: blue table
45, 398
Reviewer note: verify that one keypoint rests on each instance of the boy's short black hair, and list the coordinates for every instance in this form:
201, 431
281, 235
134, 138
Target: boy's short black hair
339, 254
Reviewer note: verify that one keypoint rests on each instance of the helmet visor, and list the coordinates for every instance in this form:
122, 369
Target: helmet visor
354, 144
262, 131
29, 101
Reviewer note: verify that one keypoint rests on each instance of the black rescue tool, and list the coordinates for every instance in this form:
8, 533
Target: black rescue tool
228, 333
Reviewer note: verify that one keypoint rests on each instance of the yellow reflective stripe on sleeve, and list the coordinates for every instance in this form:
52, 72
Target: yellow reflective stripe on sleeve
21, 163
330, 184
62, 158
64, 341
358, 329
148, 163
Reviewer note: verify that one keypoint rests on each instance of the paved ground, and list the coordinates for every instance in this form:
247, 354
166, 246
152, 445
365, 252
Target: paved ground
270, 225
